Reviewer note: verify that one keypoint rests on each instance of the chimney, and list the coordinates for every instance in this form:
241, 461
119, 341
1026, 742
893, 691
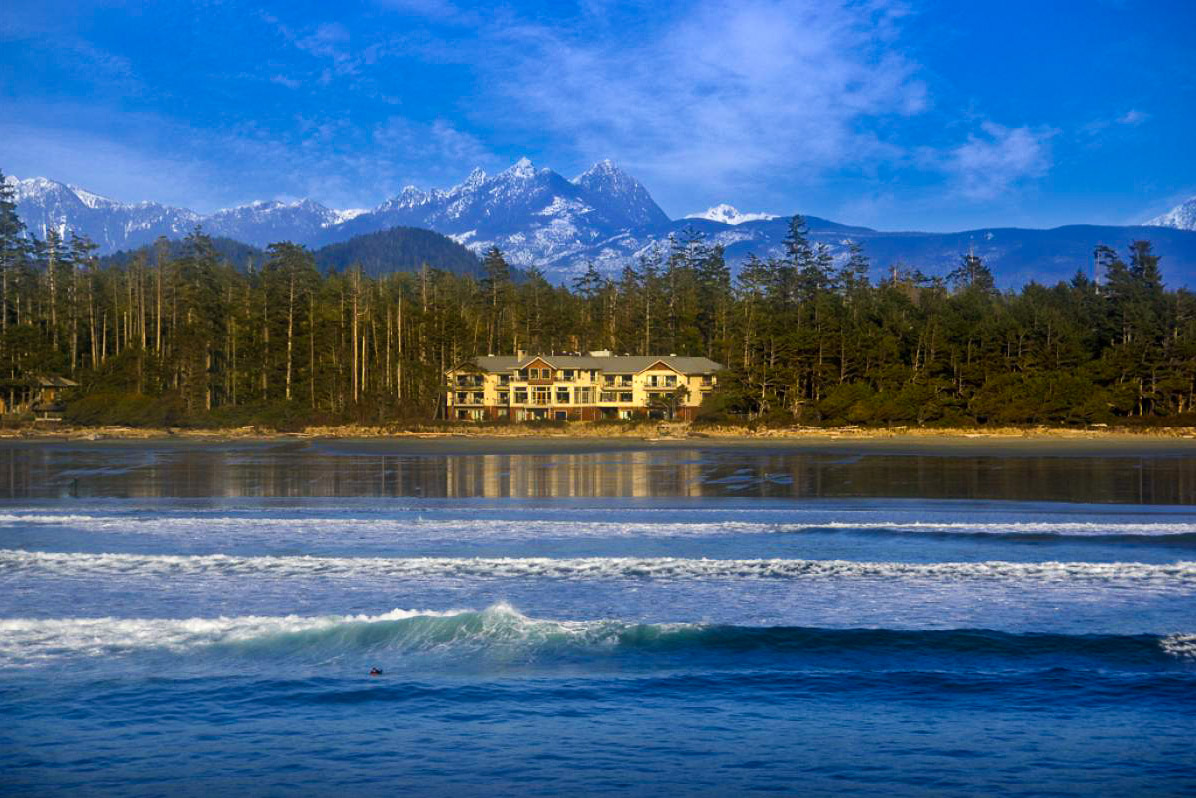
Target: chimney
520, 354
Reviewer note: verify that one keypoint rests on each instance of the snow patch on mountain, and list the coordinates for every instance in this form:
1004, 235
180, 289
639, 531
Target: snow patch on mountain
729, 214
346, 214
1181, 217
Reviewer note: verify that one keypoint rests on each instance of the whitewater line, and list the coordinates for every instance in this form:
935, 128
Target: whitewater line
520, 528
12, 561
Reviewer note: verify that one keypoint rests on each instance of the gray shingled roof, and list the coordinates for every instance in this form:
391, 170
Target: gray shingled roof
614, 364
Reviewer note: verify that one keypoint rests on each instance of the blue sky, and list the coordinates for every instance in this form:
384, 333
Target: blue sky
897, 115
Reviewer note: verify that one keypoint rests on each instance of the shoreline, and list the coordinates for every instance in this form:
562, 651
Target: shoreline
581, 438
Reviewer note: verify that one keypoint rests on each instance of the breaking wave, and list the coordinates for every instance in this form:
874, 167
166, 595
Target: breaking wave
641, 525
500, 633
1180, 575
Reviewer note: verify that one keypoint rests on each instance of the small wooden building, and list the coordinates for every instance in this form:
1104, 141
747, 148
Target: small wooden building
42, 395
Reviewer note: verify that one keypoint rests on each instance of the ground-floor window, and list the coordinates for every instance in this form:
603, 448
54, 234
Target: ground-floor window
561, 415
626, 397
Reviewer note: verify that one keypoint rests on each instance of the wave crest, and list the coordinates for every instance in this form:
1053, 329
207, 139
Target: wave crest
502, 634
1180, 575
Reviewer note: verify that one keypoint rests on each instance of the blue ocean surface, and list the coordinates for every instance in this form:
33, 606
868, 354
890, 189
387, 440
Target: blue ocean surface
203, 620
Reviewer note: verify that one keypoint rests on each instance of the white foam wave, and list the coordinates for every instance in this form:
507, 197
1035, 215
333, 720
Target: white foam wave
499, 630
416, 524
1180, 575
1183, 646
25, 641
1070, 528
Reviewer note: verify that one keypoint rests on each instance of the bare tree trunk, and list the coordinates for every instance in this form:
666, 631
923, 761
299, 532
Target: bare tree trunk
265, 339
158, 313
399, 357
74, 299
356, 362
51, 269
91, 313
311, 346
290, 330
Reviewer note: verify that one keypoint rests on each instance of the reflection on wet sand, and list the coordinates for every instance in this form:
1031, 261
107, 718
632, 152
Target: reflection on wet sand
297, 470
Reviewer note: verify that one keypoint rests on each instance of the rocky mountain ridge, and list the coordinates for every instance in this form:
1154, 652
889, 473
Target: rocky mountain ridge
602, 216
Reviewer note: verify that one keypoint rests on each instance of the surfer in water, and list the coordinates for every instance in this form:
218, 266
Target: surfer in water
375, 671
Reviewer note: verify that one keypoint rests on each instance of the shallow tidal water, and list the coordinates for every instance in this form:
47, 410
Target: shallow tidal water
192, 619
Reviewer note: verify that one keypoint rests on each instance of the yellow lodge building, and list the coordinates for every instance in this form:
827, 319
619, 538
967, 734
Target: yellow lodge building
578, 387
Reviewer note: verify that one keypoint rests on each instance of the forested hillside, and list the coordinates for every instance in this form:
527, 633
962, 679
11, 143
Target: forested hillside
397, 249
184, 336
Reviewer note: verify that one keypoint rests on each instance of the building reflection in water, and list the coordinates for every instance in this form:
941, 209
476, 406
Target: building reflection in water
296, 470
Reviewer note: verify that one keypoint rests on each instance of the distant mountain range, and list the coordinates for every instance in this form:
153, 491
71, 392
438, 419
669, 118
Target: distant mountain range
382, 252
605, 216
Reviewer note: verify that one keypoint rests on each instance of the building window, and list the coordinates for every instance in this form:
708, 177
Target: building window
608, 379
461, 397
561, 415
540, 396
562, 396
523, 374
707, 379
521, 396
567, 375
583, 396
504, 379
606, 396
502, 397
670, 380
625, 396
479, 398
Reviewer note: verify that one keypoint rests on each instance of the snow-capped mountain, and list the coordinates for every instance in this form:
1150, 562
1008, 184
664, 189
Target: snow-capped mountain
1181, 217
535, 216
47, 204
603, 216
729, 214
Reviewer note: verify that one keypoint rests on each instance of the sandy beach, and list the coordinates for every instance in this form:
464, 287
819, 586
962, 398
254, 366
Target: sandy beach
1044, 441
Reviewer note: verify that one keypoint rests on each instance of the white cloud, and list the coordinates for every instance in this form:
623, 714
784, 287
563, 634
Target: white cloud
432, 9
426, 154
991, 163
1133, 117
720, 93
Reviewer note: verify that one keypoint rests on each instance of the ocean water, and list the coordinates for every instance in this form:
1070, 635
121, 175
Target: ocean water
182, 619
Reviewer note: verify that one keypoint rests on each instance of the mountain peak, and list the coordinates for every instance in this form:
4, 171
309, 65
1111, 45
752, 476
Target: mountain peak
476, 177
605, 167
523, 168
619, 195
1181, 217
92, 200
729, 214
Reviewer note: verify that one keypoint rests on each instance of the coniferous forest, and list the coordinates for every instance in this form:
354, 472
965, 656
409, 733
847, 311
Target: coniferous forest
182, 335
